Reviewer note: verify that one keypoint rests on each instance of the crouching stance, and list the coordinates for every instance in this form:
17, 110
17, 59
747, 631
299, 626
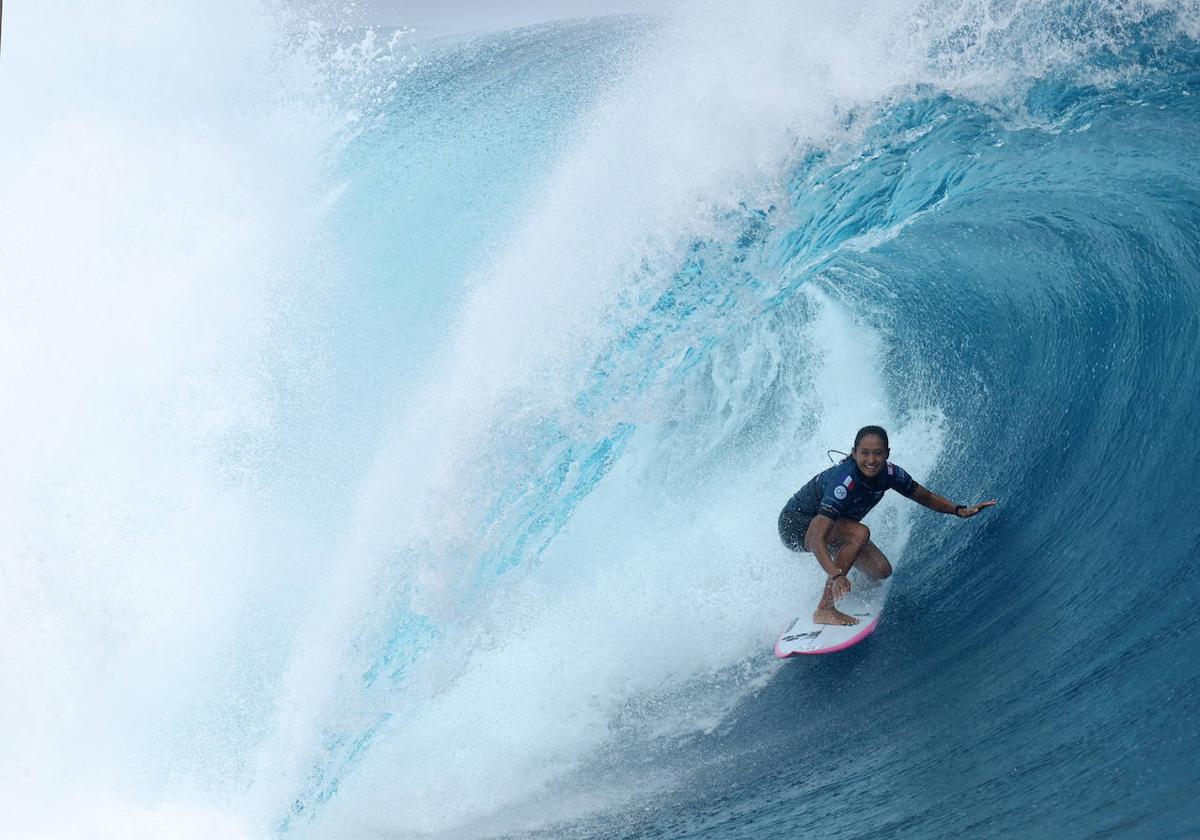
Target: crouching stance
823, 517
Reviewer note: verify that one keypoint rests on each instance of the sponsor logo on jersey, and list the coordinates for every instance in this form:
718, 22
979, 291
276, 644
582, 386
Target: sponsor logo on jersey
839, 492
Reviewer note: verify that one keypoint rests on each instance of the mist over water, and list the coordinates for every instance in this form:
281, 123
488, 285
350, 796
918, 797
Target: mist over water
161, 292
394, 431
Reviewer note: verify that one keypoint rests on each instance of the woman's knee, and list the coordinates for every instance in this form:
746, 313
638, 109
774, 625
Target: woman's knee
859, 535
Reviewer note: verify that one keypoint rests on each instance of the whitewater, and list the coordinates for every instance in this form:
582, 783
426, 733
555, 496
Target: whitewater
394, 429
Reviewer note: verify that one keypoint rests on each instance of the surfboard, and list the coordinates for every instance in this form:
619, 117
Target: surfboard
803, 637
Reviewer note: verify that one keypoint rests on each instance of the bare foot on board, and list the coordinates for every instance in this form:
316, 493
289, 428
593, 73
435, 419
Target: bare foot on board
832, 615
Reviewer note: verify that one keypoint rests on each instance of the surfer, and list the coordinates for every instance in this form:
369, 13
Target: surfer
823, 517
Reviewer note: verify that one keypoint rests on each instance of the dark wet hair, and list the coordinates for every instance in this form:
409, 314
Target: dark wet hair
862, 433
879, 431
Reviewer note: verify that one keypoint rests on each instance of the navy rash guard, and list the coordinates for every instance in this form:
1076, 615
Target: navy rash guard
843, 492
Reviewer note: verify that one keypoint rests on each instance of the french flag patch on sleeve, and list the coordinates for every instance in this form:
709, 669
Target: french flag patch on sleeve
843, 489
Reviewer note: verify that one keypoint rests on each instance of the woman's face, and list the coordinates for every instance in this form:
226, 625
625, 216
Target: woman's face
870, 455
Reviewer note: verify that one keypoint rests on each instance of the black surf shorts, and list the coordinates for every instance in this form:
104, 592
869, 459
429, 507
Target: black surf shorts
793, 525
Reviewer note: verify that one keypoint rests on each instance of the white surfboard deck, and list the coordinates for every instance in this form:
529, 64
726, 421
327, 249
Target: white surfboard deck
803, 637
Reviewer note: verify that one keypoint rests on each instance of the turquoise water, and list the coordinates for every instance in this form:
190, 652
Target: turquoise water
396, 429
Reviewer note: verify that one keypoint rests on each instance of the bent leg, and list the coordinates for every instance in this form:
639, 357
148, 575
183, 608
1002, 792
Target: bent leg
847, 539
873, 562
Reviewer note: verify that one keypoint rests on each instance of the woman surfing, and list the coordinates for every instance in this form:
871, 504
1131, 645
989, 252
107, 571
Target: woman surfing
823, 517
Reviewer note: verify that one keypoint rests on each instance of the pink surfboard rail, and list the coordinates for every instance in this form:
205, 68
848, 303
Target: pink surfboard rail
802, 636
851, 642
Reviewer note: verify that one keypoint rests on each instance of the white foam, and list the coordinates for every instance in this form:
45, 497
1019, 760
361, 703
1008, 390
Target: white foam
101, 814
159, 195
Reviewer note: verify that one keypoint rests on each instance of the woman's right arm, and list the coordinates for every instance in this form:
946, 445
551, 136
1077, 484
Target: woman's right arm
816, 540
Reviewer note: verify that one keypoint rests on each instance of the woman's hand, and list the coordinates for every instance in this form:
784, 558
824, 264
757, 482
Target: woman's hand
839, 586
964, 512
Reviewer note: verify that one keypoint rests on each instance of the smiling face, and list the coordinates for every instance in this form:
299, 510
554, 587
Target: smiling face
871, 455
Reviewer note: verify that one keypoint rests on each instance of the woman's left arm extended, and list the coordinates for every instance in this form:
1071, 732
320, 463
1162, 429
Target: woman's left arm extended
943, 505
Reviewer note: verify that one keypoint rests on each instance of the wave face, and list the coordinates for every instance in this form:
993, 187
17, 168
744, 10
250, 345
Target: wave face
434, 404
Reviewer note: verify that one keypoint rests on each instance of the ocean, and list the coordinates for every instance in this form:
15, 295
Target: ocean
394, 429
